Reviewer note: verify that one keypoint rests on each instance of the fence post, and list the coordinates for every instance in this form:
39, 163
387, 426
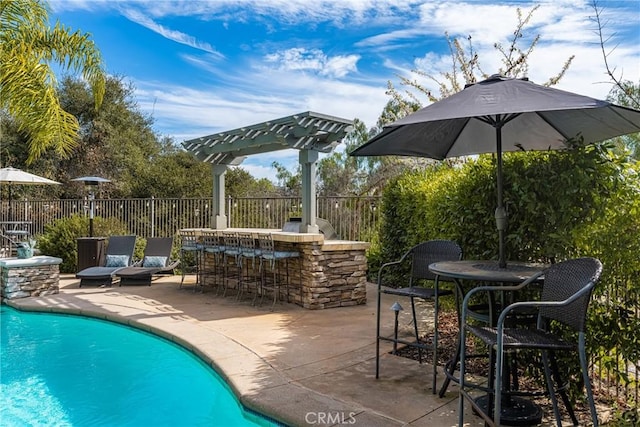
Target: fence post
153, 223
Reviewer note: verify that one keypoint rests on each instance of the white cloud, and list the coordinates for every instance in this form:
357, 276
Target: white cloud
314, 60
176, 36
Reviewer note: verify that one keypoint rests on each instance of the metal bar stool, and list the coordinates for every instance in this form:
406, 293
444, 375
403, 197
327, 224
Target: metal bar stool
231, 257
269, 255
212, 254
190, 255
249, 254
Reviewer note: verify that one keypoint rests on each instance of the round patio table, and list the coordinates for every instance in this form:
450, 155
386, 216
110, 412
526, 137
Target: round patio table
487, 271
517, 411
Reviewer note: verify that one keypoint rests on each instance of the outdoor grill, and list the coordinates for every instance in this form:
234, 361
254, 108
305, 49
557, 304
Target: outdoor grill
294, 224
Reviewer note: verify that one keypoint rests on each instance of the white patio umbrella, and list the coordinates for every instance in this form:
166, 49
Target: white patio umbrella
13, 176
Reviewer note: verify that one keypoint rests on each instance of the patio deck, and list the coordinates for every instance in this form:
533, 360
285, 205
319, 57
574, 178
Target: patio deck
299, 366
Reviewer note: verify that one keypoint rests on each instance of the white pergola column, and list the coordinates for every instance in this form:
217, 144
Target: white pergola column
308, 160
219, 217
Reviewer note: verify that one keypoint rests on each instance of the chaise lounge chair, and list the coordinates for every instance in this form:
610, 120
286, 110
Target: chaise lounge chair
119, 255
157, 260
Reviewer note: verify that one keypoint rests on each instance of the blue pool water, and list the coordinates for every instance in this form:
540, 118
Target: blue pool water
59, 370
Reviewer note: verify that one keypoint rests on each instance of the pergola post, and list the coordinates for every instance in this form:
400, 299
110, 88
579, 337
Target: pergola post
219, 217
308, 160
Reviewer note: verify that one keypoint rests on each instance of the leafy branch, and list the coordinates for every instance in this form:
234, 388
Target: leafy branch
619, 82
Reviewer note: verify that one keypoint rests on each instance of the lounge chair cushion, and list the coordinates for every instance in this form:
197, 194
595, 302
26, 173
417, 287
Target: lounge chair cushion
154, 261
117, 261
97, 272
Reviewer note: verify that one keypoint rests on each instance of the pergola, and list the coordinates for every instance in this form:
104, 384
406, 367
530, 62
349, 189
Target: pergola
310, 133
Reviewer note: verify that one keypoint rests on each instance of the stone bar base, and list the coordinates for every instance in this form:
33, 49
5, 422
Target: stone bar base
331, 273
30, 277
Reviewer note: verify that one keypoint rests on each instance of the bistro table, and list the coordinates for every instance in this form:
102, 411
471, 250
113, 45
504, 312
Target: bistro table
522, 411
19, 230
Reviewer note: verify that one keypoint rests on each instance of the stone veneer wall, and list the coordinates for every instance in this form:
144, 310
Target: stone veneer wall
27, 281
335, 278
319, 278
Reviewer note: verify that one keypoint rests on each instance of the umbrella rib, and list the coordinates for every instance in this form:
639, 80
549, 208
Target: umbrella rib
615, 110
498, 120
564, 135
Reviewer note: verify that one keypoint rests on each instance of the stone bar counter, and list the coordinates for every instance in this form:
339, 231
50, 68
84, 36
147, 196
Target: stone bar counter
327, 274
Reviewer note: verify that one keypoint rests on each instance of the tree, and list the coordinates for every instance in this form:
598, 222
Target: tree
173, 172
624, 89
240, 183
28, 47
290, 183
116, 142
624, 92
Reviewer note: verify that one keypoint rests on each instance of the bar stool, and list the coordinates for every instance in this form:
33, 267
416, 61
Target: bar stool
190, 255
231, 257
272, 256
249, 254
212, 265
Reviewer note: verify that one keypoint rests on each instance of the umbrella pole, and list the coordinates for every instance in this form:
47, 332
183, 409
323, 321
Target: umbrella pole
91, 208
10, 209
500, 214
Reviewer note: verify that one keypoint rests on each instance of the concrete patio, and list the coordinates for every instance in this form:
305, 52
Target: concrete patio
299, 366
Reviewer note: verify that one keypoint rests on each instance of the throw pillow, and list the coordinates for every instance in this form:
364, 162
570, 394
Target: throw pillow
154, 261
117, 261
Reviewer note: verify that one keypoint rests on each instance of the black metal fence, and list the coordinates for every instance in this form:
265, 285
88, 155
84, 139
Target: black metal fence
354, 218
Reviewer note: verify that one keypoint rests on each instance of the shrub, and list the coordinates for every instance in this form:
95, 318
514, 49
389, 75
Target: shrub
60, 238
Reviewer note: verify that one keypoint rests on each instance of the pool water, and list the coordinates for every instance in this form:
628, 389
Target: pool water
75, 371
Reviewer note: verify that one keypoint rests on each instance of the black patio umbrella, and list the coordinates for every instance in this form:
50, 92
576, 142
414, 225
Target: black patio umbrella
501, 114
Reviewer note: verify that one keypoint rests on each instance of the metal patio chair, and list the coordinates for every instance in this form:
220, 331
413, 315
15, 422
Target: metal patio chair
565, 297
418, 259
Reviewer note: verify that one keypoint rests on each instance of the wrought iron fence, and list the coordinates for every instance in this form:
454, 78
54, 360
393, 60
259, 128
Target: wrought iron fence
354, 218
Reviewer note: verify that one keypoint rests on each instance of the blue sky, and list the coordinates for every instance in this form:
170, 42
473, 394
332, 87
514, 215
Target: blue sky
202, 67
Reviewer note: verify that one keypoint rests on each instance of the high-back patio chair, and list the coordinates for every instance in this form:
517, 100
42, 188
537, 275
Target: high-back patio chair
119, 255
566, 293
417, 260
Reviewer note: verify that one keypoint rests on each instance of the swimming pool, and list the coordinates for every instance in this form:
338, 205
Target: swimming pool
76, 371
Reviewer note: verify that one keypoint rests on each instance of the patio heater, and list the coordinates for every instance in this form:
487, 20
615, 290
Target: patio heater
91, 184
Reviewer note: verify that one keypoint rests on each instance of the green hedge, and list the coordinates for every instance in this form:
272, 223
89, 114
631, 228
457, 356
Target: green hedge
560, 205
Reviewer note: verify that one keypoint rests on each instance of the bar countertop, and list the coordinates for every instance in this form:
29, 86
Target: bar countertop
292, 237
